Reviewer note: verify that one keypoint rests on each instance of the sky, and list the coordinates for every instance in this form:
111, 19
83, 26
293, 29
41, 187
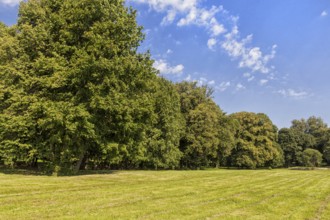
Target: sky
262, 56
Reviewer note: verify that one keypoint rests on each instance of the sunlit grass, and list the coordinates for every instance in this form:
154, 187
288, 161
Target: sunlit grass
208, 194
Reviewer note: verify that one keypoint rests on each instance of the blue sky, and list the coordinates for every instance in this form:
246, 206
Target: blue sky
262, 56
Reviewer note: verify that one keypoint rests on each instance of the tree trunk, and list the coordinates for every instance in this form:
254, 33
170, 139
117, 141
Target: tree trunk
79, 162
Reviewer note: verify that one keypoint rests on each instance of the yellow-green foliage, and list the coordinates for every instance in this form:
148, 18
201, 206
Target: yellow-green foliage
210, 194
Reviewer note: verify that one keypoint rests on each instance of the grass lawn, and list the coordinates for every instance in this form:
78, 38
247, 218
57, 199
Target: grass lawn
208, 194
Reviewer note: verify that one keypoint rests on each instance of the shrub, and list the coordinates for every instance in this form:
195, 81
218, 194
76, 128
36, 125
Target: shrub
310, 158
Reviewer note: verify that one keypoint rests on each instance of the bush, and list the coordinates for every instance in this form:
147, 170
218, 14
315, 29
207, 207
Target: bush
310, 158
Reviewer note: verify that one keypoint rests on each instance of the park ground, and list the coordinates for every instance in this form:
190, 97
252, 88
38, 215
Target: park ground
204, 194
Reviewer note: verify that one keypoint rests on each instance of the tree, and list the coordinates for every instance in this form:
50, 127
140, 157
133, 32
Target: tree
203, 127
311, 158
228, 127
191, 95
201, 143
319, 130
315, 130
256, 142
289, 141
166, 129
314, 133
73, 84
326, 146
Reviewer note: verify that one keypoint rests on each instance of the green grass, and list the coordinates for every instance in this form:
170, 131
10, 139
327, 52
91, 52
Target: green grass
208, 194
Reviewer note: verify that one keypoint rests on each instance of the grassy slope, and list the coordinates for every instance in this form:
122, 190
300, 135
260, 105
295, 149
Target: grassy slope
214, 194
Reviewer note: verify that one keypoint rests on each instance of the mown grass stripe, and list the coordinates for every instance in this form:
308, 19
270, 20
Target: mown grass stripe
210, 194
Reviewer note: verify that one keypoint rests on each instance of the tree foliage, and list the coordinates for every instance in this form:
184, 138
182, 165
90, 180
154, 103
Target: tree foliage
256, 142
310, 158
74, 82
303, 135
290, 141
76, 93
201, 115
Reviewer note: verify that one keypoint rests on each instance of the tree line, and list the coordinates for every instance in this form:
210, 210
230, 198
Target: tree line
75, 93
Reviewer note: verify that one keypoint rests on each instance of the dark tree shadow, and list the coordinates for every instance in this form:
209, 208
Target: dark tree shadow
21, 171
38, 172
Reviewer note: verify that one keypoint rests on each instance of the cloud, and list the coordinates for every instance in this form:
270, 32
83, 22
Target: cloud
211, 43
221, 27
248, 76
188, 78
169, 18
249, 57
200, 81
189, 13
223, 86
169, 51
169, 6
204, 18
10, 2
164, 68
239, 87
203, 81
293, 94
178, 42
216, 28
263, 82
324, 13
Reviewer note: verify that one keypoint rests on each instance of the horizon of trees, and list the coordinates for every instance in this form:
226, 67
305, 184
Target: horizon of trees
75, 93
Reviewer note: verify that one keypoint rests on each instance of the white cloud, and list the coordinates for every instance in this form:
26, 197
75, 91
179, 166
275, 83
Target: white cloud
263, 82
251, 58
216, 28
324, 13
293, 94
211, 43
10, 2
223, 86
188, 78
168, 5
169, 18
190, 18
169, 51
213, 20
189, 13
246, 75
200, 81
165, 68
178, 42
200, 16
203, 81
239, 86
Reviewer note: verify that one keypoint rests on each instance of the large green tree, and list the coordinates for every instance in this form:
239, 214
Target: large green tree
314, 133
202, 134
208, 138
290, 142
201, 117
166, 129
256, 142
228, 127
73, 84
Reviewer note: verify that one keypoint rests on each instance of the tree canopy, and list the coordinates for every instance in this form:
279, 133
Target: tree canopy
73, 82
75, 92
256, 142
